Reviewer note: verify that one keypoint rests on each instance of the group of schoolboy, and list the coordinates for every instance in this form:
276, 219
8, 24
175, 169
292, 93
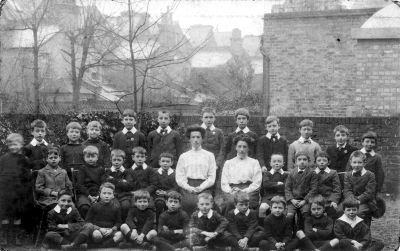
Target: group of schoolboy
126, 199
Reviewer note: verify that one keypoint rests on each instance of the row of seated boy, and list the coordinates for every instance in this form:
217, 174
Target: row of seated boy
104, 227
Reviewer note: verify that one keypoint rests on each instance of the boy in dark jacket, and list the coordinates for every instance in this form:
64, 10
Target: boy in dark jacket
72, 153
94, 132
36, 150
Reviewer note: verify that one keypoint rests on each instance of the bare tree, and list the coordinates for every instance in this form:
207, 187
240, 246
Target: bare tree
2, 3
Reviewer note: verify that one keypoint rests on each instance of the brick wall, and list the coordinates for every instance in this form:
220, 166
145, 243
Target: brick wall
387, 128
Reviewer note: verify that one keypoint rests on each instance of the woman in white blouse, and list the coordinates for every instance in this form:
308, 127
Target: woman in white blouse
241, 173
195, 170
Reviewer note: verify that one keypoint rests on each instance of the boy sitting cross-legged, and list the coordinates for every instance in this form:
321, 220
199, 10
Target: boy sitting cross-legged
243, 230
102, 222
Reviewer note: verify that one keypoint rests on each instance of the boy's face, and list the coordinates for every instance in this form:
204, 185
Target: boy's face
305, 131
322, 162
39, 133
368, 144
241, 121
242, 206
117, 161
93, 132
302, 161
64, 202
53, 160
204, 205
106, 194
139, 158
163, 119
142, 204
317, 210
165, 163
91, 158
276, 162
14, 146
208, 119
351, 212
73, 134
357, 163
195, 139
277, 209
272, 127
341, 138
128, 122
242, 149
173, 204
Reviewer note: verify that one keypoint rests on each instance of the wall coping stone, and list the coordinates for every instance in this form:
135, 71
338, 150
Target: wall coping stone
322, 13
375, 33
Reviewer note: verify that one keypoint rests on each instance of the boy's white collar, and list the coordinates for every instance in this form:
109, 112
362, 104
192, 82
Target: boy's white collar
272, 171
125, 131
58, 209
372, 152
170, 170
168, 129
349, 221
327, 170
269, 135
34, 142
363, 171
209, 214
236, 211
343, 146
113, 169
245, 130
212, 127
302, 140
144, 166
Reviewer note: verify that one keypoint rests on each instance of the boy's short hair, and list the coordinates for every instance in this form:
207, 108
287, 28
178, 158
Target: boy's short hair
206, 196
242, 111
107, 185
74, 125
319, 200
118, 153
277, 199
174, 195
141, 194
242, 137
322, 154
53, 150
306, 122
241, 196
166, 155
38, 123
94, 123
279, 154
91, 150
195, 128
369, 135
15, 137
271, 119
164, 112
208, 110
129, 113
64, 192
138, 150
357, 154
301, 153
350, 202
341, 129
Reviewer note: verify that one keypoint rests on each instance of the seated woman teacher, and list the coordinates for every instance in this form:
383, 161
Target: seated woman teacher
195, 170
241, 173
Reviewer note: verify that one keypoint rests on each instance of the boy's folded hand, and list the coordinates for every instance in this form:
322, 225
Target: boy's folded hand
178, 231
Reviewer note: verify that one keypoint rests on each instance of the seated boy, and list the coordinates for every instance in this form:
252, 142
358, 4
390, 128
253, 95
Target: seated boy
64, 223
352, 232
277, 228
328, 184
139, 227
301, 185
206, 226
273, 183
318, 228
72, 153
271, 143
51, 179
360, 185
90, 177
102, 222
173, 223
117, 175
243, 230
94, 132
166, 182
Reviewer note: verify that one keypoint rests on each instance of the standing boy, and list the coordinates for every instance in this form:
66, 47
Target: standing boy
271, 143
129, 137
242, 117
72, 153
303, 144
94, 131
213, 140
36, 150
163, 139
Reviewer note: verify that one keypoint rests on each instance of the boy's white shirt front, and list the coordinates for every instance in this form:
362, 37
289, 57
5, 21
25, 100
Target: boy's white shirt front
58, 209
212, 127
144, 166
209, 214
343, 146
272, 171
349, 221
372, 152
170, 170
168, 128
245, 130
302, 139
34, 142
363, 171
269, 135
114, 169
327, 170
236, 211
133, 130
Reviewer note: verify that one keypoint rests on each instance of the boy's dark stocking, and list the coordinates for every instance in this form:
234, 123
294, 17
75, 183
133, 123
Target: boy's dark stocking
4, 235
